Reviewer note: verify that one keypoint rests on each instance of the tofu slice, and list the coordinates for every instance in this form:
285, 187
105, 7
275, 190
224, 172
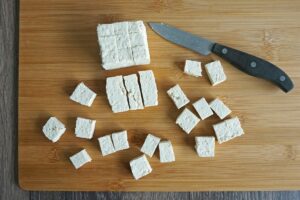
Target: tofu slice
116, 94
193, 68
149, 88
106, 145
205, 146
83, 95
150, 145
215, 72
178, 96
140, 167
219, 108
81, 158
54, 129
166, 153
228, 129
120, 140
133, 92
85, 128
202, 108
187, 120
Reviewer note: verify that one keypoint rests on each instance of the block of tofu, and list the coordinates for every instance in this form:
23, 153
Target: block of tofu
54, 129
106, 145
228, 129
133, 92
150, 145
149, 88
120, 140
178, 96
215, 72
202, 108
80, 159
123, 44
83, 95
193, 68
140, 167
219, 108
205, 146
166, 153
187, 120
85, 128
116, 94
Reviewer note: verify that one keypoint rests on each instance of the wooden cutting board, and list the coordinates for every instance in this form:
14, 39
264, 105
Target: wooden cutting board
58, 49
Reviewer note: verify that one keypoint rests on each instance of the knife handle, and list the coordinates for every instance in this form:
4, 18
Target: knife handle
254, 66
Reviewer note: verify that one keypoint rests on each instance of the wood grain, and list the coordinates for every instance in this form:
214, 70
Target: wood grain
58, 49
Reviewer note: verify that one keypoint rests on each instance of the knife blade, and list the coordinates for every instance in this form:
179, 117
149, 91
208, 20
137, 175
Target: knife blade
245, 62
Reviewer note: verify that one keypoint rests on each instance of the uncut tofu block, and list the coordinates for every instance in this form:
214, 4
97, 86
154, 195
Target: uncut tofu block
187, 120
202, 108
120, 140
106, 145
123, 44
85, 128
54, 129
228, 129
149, 88
80, 159
150, 145
219, 108
205, 146
215, 72
193, 68
133, 92
116, 94
140, 167
83, 95
178, 96
166, 153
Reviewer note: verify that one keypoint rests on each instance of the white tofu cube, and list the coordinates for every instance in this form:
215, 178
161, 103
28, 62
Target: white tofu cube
149, 88
228, 129
80, 159
150, 145
53, 129
140, 167
166, 153
116, 94
85, 128
187, 120
202, 108
106, 145
215, 72
219, 108
120, 140
178, 96
205, 146
133, 92
193, 68
83, 95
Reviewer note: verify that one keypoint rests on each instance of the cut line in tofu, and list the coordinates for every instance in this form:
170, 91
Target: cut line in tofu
83, 95
178, 96
133, 92
148, 88
205, 146
81, 158
215, 72
219, 108
203, 109
187, 120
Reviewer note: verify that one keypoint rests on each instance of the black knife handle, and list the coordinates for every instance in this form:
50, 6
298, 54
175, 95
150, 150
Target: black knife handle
254, 66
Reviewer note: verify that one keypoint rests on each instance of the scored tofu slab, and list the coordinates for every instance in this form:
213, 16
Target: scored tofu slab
215, 72
205, 146
85, 128
150, 145
193, 68
202, 108
120, 140
140, 167
149, 88
187, 120
219, 108
133, 92
54, 129
166, 152
106, 145
83, 95
178, 96
81, 158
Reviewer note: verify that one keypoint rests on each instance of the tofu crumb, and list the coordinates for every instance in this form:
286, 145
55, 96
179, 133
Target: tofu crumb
140, 167
106, 145
202, 108
83, 95
219, 108
193, 68
215, 72
166, 153
205, 146
54, 129
187, 120
178, 96
81, 158
85, 128
120, 140
150, 144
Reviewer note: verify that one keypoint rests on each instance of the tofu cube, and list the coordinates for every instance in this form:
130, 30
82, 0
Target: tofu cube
149, 88
85, 128
205, 146
80, 159
166, 153
54, 129
193, 68
133, 92
187, 120
83, 95
178, 96
219, 108
150, 145
215, 72
120, 140
106, 145
140, 167
228, 129
202, 108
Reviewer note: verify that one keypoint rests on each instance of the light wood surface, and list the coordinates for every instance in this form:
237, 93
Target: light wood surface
58, 49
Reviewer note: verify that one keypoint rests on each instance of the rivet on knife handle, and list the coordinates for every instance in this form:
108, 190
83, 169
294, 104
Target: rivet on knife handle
254, 66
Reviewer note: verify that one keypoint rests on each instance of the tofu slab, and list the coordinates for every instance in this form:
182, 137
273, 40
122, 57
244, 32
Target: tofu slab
219, 108
54, 129
150, 145
120, 140
140, 167
80, 159
193, 68
106, 145
187, 120
228, 129
133, 92
178, 96
149, 88
205, 146
85, 128
83, 95
202, 108
215, 72
166, 153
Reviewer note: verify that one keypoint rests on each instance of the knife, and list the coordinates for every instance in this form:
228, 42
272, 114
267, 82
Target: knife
245, 62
